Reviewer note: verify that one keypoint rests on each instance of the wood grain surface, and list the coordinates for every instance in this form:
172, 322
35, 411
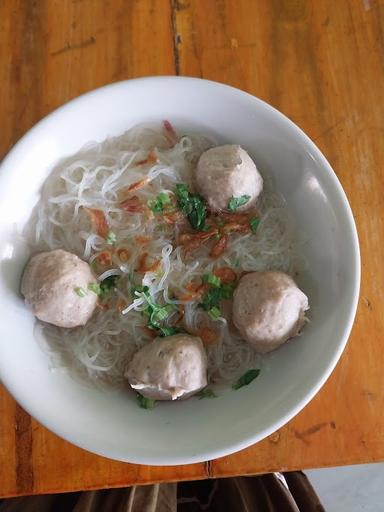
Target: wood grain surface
321, 62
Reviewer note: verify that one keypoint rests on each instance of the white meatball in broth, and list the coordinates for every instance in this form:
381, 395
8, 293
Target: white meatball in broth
55, 287
268, 309
227, 173
169, 368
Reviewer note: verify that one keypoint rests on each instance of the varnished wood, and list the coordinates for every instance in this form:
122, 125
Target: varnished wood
321, 63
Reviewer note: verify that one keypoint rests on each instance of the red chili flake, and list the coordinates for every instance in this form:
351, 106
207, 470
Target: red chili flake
142, 239
102, 306
170, 132
123, 254
226, 274
173, 217
98, 220
138, 184
151, 159
208, 336
143, 267
150, 332
235, 227
105, 258
121, 305
219, 247
132, 205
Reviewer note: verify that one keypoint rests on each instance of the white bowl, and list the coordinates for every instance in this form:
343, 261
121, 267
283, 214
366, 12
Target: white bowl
110, 423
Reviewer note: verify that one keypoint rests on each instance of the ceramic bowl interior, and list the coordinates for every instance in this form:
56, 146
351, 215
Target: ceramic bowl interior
110, 423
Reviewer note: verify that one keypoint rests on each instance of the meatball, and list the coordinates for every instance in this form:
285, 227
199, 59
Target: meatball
55, 287
225, 172
268, 309
169, 368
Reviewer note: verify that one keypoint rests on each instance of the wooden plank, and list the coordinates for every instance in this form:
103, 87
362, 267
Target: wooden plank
59, 466
321, 63
34, 461
50, 52
54, 50
7, 445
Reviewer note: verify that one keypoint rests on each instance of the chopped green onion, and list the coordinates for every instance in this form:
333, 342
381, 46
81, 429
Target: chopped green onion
155, 313
227, 290
254, 223
107, 285
147, 312
160, 314
144, 402
111, 238
168, 331
154, 206
246, 379
80, 291
164, 198
214, 313
157, 205
235, 202
212, 280
95, 288
192, 206
206, 393
139, 289
182, 191
211, 299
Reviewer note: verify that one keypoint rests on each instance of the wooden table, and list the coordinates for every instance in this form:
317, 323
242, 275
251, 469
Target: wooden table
321, 62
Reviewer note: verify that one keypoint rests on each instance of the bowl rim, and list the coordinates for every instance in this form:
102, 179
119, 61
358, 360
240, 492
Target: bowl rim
353, 300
